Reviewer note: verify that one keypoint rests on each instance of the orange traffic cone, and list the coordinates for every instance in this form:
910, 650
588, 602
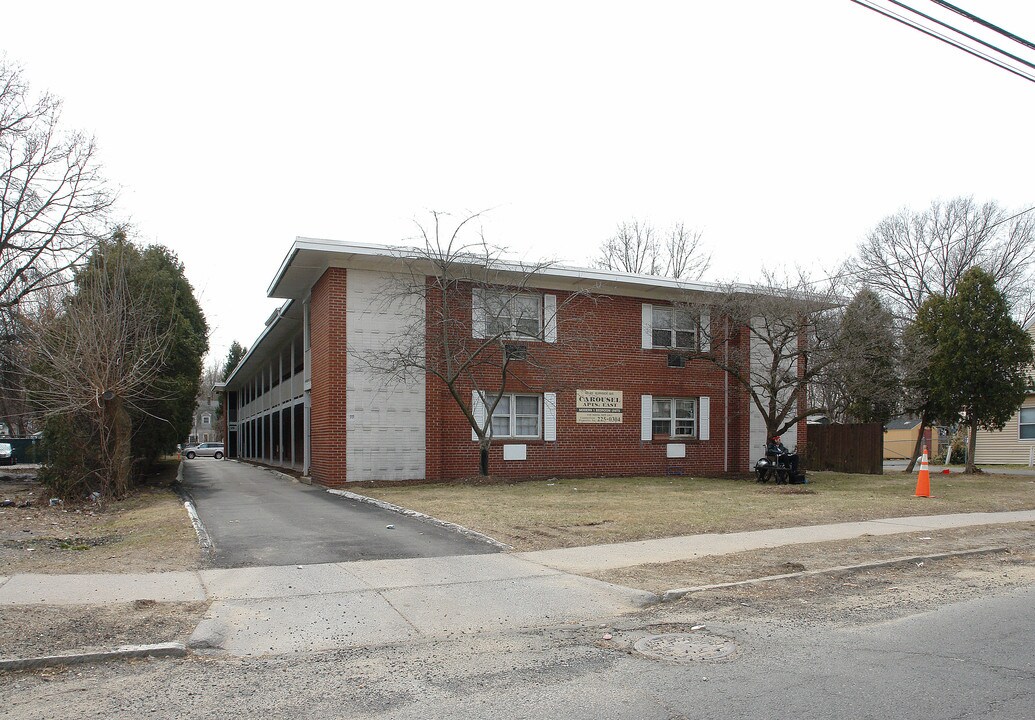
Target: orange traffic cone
923, 480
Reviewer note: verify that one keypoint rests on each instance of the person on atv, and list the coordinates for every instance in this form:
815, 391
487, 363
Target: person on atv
783, 456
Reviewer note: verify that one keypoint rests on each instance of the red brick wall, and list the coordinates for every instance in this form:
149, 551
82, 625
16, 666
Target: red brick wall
598, 349
327, 345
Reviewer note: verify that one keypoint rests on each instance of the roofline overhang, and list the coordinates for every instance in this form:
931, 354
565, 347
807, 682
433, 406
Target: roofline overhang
400, 256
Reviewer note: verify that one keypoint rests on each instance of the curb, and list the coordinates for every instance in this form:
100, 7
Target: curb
676, 594
473, 534
126, 652
204, 541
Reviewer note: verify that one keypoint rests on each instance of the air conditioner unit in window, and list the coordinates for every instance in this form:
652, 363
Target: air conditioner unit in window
516, 352
676, 360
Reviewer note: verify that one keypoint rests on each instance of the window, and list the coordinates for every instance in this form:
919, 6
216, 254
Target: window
513, 315
206, 420
673, 328
516, 416
675, 417
1027, 421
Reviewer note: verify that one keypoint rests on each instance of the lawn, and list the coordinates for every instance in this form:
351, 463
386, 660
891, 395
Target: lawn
569, 513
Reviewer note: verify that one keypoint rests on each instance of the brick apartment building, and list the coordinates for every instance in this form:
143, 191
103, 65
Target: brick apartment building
619, 401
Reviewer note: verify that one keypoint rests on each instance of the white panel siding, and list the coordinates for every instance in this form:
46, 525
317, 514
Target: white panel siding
385, 423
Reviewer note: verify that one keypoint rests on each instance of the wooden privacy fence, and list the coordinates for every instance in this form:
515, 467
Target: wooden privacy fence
846, 448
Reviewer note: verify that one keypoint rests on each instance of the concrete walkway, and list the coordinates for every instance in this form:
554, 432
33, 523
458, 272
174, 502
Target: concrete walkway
260, 610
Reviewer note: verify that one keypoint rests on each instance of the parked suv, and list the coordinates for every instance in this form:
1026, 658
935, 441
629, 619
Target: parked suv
206, 449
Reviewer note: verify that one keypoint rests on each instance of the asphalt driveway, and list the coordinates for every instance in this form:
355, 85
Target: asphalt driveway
255, 517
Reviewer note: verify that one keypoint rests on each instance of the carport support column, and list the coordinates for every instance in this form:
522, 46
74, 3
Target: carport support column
328, 353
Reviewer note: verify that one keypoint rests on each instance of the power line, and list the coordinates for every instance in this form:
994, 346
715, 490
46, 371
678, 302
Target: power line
913, 24
979, 21
966, 35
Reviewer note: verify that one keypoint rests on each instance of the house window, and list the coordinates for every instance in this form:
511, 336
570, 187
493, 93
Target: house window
673, 328
675, 417
1027, 423
513, 315
517, 416
206, 420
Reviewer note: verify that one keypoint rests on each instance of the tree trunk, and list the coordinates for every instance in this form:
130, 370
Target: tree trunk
917, 447
972, 447
483, 465
115, 437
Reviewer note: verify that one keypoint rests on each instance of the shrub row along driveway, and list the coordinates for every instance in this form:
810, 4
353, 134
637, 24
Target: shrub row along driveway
255, 517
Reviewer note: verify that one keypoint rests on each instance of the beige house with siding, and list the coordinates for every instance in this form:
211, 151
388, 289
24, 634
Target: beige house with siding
1015, 443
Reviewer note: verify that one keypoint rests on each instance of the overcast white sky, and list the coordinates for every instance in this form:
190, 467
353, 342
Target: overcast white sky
783, 130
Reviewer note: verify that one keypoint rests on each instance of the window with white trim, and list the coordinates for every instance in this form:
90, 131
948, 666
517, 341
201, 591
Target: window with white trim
1027, 423
206, 420
517, 416
518, 316
674, 417
673, 328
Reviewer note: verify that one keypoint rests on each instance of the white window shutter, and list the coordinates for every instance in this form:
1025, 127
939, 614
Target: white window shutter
550, 318
647, 332
704, 418
549, 417
705, 342
478, 410
478, 329
646, 409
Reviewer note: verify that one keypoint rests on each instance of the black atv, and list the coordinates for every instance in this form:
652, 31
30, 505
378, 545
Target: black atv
772, 467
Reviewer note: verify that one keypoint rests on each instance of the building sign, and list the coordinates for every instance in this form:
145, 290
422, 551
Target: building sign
598, 406
231, 427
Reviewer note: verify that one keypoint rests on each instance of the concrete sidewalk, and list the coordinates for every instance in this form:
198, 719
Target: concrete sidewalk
260, 610
596, 558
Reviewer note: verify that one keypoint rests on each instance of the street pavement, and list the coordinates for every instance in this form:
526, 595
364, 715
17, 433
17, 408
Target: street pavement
968, 659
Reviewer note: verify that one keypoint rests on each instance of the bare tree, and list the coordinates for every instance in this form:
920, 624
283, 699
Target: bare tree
774, 340
95, 359
52, 196
15, 410
477, 323
685, 258
636, 247
912, 255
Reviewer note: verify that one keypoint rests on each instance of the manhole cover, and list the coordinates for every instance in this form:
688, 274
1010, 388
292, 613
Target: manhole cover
686, 647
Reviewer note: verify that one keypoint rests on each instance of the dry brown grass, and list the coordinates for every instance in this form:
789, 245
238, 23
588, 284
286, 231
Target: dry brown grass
569, 513
147, 532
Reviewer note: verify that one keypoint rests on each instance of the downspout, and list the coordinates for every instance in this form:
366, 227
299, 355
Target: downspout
726, 399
